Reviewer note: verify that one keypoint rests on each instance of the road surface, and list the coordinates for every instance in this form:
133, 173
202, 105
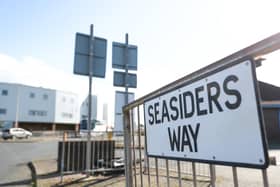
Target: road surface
15, 154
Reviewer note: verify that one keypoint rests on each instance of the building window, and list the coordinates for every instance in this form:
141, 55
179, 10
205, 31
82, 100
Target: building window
3, 111
67, 115
37, 113
32, 95
31, 113
45, 96
4, 92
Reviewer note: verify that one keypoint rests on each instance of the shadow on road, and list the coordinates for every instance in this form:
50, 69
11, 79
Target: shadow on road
17, 183
86, 183
29, 181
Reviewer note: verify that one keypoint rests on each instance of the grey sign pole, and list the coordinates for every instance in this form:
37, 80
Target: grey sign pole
90, 60
126, 68
91, 46
127, 135
124, 56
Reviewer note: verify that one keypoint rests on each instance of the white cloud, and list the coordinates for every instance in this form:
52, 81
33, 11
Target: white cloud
269, 70
35, 72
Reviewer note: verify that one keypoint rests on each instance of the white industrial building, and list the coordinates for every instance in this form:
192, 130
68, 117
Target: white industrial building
100, 125
37, 108
84, 108
105, 113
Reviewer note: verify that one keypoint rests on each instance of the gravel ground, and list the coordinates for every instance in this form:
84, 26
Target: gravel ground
247, 178
47, 176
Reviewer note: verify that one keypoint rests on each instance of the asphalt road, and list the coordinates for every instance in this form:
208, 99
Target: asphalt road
15, 154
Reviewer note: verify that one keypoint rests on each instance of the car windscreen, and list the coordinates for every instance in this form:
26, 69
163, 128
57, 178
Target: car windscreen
6, 130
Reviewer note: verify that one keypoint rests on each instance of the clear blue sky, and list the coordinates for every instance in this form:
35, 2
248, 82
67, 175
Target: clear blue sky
174, 38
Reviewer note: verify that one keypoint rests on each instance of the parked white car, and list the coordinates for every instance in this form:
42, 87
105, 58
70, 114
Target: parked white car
15, 133
98, 128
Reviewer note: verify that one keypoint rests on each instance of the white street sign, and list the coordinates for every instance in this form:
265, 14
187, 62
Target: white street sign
215, 118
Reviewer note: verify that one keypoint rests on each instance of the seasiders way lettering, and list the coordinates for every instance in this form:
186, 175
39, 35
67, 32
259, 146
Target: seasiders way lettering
205, 99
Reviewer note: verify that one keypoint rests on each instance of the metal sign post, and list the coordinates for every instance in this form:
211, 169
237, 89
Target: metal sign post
128, 169
124, 56
91, 47
126, 68
90, 59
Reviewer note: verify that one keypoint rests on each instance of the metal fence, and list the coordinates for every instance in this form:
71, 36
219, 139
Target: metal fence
106, 153
148, 171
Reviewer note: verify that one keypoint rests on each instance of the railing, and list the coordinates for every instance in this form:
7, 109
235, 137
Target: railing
139, 173
106, 153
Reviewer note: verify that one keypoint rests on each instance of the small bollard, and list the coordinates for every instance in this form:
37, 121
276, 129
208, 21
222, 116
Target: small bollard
109, 135
109, 131
64, 136
33, 174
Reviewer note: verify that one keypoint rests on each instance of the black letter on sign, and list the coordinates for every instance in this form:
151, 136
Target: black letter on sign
174, 108
181, 107
174, 141
199, 100
157, 112
194, 135
150, 112
186, 139
164, 112
213, 98
228, 91
190, 95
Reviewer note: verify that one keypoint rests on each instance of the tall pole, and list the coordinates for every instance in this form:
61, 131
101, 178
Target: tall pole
126, 68
91, 48
126, 125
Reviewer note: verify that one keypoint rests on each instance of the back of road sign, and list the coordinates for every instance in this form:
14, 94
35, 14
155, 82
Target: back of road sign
118, 60
119, 79
119, 103
81, 59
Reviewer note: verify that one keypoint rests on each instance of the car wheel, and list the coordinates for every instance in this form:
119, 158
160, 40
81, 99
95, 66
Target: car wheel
27, 137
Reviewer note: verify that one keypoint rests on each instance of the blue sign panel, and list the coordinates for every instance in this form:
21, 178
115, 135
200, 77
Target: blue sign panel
119, 79
82, 51
118, 56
